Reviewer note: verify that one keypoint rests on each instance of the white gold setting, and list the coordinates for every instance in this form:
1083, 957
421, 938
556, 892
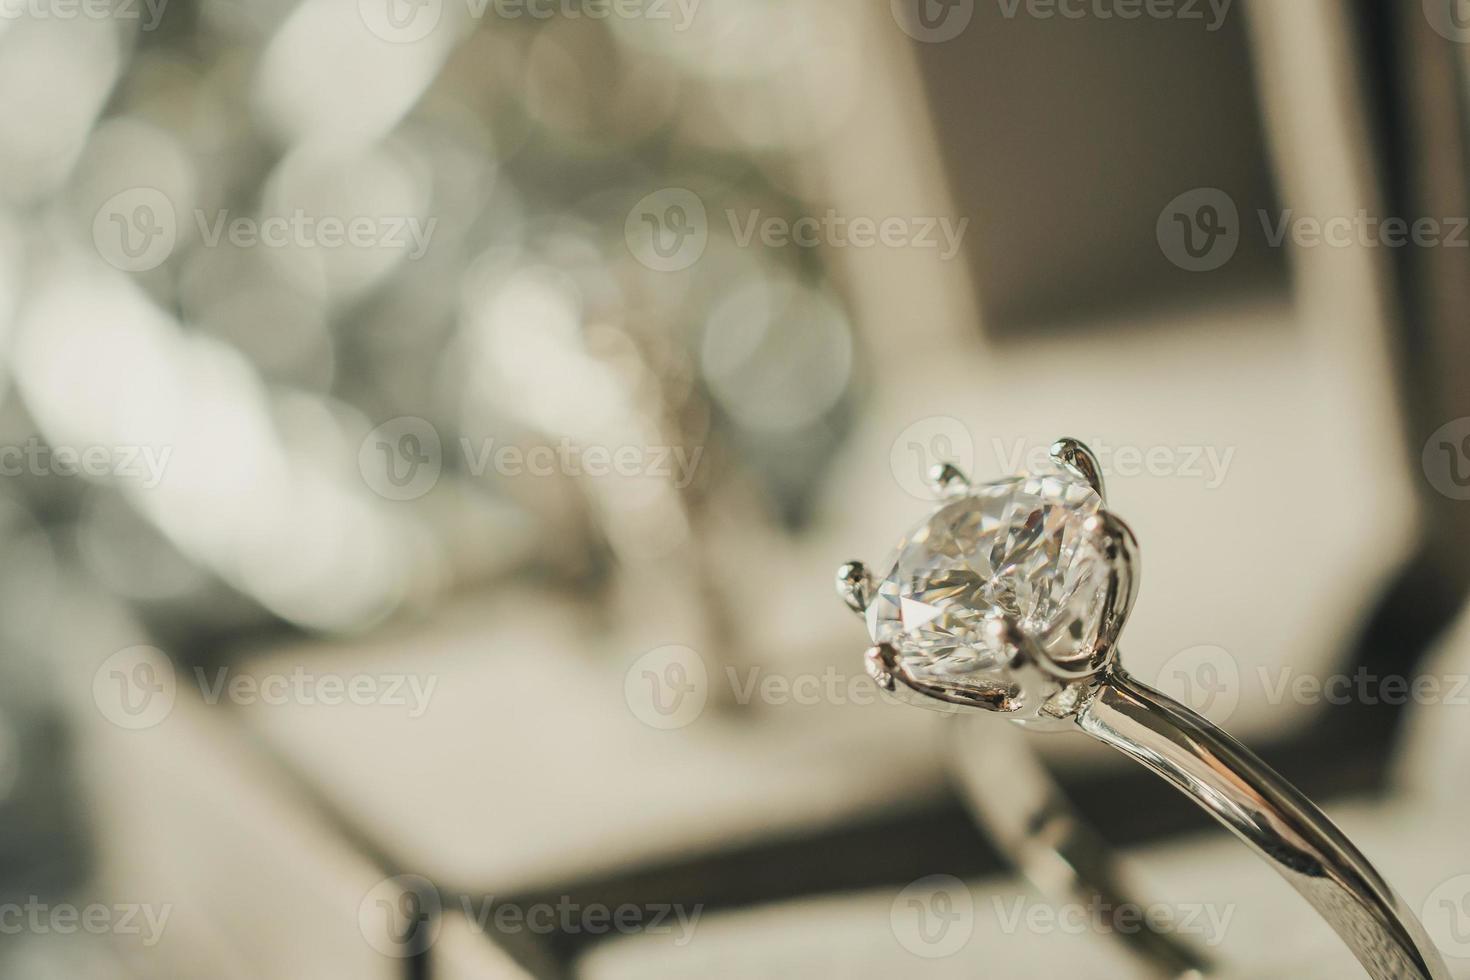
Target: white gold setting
1009, 599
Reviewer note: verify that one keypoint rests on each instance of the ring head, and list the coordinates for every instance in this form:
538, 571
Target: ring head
1024, 552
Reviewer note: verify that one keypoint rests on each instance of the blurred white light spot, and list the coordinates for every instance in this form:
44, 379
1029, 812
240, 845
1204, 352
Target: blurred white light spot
327, 75
100, 365
55, 76
338, 217
527, 332
134, 193
777, 354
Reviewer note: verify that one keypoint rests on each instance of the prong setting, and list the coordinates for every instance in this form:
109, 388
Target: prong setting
948, 481
1119, 548
876, 662
1033, 651
1073, 455
888, 672
1007, 634
855, 586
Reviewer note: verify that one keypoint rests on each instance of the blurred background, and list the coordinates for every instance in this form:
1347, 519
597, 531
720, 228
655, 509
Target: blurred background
428, 429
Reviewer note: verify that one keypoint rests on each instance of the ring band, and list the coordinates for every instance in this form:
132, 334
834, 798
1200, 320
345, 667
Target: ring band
1009, 599
1063, 856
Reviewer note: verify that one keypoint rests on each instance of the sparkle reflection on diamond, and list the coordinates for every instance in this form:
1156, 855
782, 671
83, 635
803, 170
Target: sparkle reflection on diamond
1017, 547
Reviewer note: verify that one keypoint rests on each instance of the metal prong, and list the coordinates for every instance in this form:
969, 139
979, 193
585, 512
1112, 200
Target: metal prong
881, 665
889, 673
1029, 661
948, 481
855, 586
1074, 455
1119, 548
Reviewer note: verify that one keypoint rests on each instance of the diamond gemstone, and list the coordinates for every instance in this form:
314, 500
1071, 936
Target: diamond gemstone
1017, 547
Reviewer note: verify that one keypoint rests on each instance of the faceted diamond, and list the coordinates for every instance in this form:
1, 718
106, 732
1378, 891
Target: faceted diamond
1016, 548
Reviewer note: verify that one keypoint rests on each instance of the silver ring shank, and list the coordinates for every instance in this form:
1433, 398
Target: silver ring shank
1031, 821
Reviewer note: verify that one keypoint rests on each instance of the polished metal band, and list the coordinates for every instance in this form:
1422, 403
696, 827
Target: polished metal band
1064, 859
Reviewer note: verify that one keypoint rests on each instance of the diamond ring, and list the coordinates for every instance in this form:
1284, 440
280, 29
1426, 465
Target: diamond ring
1009, 598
